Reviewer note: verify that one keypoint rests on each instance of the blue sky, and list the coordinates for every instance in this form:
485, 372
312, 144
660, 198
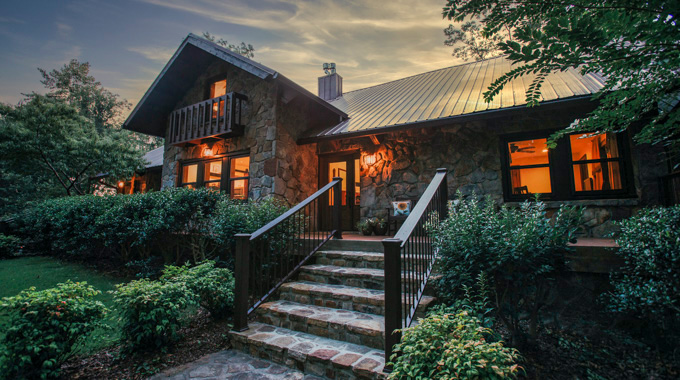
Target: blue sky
127, 42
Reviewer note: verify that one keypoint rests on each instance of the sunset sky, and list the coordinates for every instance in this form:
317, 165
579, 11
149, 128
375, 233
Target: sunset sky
128, 42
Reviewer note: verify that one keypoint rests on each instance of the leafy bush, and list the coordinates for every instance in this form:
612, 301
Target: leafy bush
212, 286
45, 327
648, 284
9, 245
151, 312
169, 223
452, 345
519, 250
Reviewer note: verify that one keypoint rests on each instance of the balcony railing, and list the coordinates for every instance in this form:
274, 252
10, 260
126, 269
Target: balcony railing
216, 117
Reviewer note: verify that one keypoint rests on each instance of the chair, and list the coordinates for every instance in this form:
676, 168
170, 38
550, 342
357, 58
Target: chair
394, 222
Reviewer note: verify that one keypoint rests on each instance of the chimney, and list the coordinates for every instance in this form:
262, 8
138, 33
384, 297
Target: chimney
330, 85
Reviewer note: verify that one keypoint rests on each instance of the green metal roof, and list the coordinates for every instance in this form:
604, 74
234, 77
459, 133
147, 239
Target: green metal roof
447, 93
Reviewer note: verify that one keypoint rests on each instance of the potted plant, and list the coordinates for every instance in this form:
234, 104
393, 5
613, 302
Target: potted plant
379, 226
365, 226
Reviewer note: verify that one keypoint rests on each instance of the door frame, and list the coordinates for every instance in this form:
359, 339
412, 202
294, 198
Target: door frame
348, 156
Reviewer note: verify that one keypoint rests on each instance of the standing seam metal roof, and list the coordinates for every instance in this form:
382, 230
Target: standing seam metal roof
449, 92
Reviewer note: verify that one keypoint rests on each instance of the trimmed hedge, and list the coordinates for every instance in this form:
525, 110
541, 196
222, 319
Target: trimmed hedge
174, 223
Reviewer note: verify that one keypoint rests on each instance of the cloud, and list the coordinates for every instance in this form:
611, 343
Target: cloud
9, 20
64, 30
371, 41
154, 53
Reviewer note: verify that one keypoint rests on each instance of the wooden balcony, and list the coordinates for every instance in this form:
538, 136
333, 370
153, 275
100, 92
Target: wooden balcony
218, 117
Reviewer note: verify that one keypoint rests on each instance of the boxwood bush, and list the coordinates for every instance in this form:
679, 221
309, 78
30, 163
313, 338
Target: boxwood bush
451, 344
519, 250
648, 284
212, 286
45, 327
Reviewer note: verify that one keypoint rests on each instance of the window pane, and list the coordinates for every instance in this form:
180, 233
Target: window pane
213, 171
212, 185
528, 152
240, 167
189, 186
530, 181
239, 189
593, 147
357, 182
189, 173
338, 169
597, 176
218, 88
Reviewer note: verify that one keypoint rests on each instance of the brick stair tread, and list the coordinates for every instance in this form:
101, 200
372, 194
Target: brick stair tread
362, 361
343, 292
325, 317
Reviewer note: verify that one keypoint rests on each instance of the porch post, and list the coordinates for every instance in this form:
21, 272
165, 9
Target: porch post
393, 306
242, 272
337, 211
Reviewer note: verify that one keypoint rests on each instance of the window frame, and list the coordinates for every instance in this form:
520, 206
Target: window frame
561, 169
225, 180
212, 80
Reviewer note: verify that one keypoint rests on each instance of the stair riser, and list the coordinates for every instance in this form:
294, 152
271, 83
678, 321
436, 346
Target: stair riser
360, 304
349, 262
323, 329
337, 279
309, 363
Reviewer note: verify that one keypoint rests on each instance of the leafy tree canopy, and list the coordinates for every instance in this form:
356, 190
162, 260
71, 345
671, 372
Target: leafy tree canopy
635, 45
246, 50
469, 43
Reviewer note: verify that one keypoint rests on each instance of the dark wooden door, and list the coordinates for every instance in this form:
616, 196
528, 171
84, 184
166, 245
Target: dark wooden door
347, 167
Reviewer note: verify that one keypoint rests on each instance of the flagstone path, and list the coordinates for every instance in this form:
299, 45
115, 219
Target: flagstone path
232, 364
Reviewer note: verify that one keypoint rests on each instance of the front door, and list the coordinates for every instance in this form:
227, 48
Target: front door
347, 167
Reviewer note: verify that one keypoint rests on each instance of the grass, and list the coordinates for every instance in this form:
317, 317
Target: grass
45, 272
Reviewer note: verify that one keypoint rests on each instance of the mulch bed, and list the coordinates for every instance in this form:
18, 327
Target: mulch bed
200, 336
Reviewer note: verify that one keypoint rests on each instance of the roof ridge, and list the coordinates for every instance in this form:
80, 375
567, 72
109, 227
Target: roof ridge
423, 73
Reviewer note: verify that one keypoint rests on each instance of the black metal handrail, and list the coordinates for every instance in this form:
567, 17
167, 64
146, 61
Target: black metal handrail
409, 257
272, 255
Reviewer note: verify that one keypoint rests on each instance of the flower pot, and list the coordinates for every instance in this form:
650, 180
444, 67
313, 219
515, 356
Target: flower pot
366, 231
380, 229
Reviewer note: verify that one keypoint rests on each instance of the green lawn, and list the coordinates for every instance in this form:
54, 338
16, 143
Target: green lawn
44, 272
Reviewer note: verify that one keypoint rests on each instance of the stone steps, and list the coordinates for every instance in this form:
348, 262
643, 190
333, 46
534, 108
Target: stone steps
335, 275
312, 354
345, 325
353, 259
342, 297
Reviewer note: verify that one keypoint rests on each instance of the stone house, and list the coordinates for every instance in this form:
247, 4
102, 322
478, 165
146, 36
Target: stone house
233, 124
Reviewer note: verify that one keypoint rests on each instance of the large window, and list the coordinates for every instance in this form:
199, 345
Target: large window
582, 166
229, 174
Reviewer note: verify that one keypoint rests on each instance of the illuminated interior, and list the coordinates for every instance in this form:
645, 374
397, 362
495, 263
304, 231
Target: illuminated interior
529, 167
190, 174
357, 183
212, 174
338, 169
218, 88
240, 168
595, 176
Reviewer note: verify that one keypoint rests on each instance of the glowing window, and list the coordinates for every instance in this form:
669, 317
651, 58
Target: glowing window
212, 174
218, 88
189, 176
529, 167
239, 177
595, 162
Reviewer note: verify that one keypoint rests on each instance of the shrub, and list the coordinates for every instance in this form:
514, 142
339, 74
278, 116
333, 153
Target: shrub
151, 312
45, 327
648, 284
519, 250
452, 345
9, 245
213, 287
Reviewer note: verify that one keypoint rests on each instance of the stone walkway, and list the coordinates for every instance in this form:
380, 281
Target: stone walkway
231, 364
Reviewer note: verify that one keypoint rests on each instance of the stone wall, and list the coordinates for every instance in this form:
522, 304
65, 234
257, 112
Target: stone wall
406, 161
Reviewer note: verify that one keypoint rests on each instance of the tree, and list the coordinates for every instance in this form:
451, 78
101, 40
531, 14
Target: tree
47, 139
246, 50
469, 43
635, 45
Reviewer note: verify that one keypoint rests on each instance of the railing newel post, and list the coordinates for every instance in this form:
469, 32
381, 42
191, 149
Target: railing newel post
241, 281
443, 213
393, 304
337, 211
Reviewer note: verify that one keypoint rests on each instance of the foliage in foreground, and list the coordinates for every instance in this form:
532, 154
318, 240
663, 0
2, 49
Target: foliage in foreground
213, 287
45, 328
151, 312
451, 344
648, 284
634, 45
170, 223
519, 250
